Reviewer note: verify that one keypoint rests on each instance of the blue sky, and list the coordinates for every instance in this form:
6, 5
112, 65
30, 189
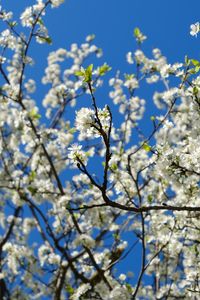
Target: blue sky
166, 24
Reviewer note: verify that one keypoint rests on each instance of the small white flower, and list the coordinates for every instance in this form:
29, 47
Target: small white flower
194, 29
122, 277
85, 240
82, 289
56, 3
27, 17
131, 83
85, 117
129, 58
76, 154
30, 86
2, 59
90, 38
54, 259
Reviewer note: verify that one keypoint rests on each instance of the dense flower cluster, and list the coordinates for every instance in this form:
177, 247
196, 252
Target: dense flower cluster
84, 189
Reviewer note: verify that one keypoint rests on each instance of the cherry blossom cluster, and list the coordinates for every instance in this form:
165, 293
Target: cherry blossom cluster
86, 188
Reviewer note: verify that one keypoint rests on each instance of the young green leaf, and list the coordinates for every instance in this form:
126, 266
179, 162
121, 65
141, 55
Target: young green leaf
79, 73
146, 147
195, 62
88, 73
136, 32
104, 69
47, 40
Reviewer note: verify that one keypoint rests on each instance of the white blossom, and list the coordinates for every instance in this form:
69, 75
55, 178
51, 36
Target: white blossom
194, 29
129, 58
102, 179
76, 154
56, 3
85, 240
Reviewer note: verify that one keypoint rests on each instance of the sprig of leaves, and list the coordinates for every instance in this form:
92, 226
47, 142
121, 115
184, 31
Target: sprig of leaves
85, 73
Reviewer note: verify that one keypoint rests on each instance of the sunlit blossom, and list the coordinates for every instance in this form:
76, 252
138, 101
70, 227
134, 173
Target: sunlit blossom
194, 29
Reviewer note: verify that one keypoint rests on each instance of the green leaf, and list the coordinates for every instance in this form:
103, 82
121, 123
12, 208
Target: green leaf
195, 62
195, 90
32, 190
197, 68
137, 32
34, 115
140, 37
129, 76
146, 147
79, 73
104, 69
76, 215
12, 24
69, 289
48, 40
196, 250
89, 69
129, 288
187, 60
150, 198
88, 73
116, 236
114, 167
40, 21
192, 71
32, 175
90, 186
72, 130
